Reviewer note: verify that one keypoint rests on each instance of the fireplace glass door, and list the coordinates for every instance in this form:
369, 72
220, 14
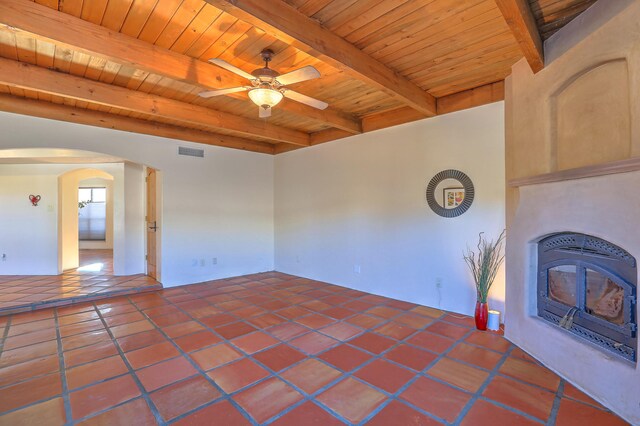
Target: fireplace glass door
605, 298
562, 284
588, 286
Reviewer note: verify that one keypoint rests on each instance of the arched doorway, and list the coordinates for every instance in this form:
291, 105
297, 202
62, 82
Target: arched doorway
43, 172
69, 215
41, 240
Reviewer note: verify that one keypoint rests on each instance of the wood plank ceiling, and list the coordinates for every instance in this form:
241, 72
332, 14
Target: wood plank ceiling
138, 65
551, 15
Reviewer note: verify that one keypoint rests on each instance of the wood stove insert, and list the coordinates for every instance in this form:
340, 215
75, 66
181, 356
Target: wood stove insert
587, 286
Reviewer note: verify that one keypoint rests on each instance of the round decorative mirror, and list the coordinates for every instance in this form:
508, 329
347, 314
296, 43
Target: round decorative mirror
450, 193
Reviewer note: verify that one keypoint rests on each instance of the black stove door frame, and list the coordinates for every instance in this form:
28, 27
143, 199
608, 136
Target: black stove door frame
602, 333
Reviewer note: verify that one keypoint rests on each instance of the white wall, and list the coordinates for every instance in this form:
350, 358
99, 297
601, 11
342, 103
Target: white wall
220, 206
28, 235
33, 237
356, 201
361, 201
134, 225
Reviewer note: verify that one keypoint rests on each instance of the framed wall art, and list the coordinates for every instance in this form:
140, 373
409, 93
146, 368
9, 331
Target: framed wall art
452, 197
457, 193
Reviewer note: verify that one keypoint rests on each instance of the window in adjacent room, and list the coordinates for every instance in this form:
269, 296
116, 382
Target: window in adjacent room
92, 216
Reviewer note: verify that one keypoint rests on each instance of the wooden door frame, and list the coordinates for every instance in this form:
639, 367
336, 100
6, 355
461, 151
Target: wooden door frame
158, 195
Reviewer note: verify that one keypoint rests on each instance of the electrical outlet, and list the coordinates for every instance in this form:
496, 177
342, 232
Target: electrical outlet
438, 282
214, 261
357, 269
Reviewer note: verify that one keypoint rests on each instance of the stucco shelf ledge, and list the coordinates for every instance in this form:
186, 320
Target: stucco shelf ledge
610, 168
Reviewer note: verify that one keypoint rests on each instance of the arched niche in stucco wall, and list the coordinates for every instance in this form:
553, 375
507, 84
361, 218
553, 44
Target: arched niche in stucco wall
591, 117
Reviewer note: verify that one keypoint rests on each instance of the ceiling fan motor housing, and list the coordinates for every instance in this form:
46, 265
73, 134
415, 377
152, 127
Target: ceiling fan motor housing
265, 74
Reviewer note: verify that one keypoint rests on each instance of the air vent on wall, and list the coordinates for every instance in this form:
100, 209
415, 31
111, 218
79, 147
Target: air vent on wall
192, 152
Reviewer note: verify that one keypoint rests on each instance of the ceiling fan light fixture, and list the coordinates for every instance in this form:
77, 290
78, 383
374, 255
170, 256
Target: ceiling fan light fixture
264, 97
268, 86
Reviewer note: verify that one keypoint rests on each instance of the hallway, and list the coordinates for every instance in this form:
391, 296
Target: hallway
93, 279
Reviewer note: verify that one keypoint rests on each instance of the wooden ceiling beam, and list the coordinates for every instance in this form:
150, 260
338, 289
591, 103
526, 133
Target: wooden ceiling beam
46, 24
25, 76
330, 116
24, 106
482, 95
293, 27
487, 94
390, 118
327, 135
281, 148
523, 25
317, 138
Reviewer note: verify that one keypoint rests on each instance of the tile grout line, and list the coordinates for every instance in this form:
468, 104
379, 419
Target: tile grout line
131, 372
347, 374
74, 300
223, 394
343, 342
276, 294
5, 333
465, 410
273, 372
136, 307
311, 397
420, 374
478, 394
63, 372
48, 291
553, 416
380, 356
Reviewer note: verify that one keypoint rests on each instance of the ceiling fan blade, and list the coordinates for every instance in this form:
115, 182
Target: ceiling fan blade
302, 74
304, 99
227, 66
264, 112
218, 92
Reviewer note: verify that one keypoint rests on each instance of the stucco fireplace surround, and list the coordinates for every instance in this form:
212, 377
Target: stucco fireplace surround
573, 166
606, 207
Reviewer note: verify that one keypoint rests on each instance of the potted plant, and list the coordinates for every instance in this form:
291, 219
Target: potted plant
484, 266
81, 205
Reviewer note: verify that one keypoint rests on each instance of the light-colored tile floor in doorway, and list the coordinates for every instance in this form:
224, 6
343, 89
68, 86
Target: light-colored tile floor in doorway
272, 349
93, 278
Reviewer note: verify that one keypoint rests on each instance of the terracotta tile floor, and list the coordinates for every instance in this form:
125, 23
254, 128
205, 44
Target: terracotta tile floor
93, 279
272, 349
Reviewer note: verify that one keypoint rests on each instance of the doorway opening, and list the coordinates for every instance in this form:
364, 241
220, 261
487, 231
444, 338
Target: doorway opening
86, 220
97, 232
95, 225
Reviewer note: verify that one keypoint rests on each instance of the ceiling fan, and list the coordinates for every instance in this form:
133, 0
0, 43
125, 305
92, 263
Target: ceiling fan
268, 86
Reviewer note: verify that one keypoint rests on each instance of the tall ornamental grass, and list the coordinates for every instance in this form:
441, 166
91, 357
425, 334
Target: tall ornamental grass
485, 263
